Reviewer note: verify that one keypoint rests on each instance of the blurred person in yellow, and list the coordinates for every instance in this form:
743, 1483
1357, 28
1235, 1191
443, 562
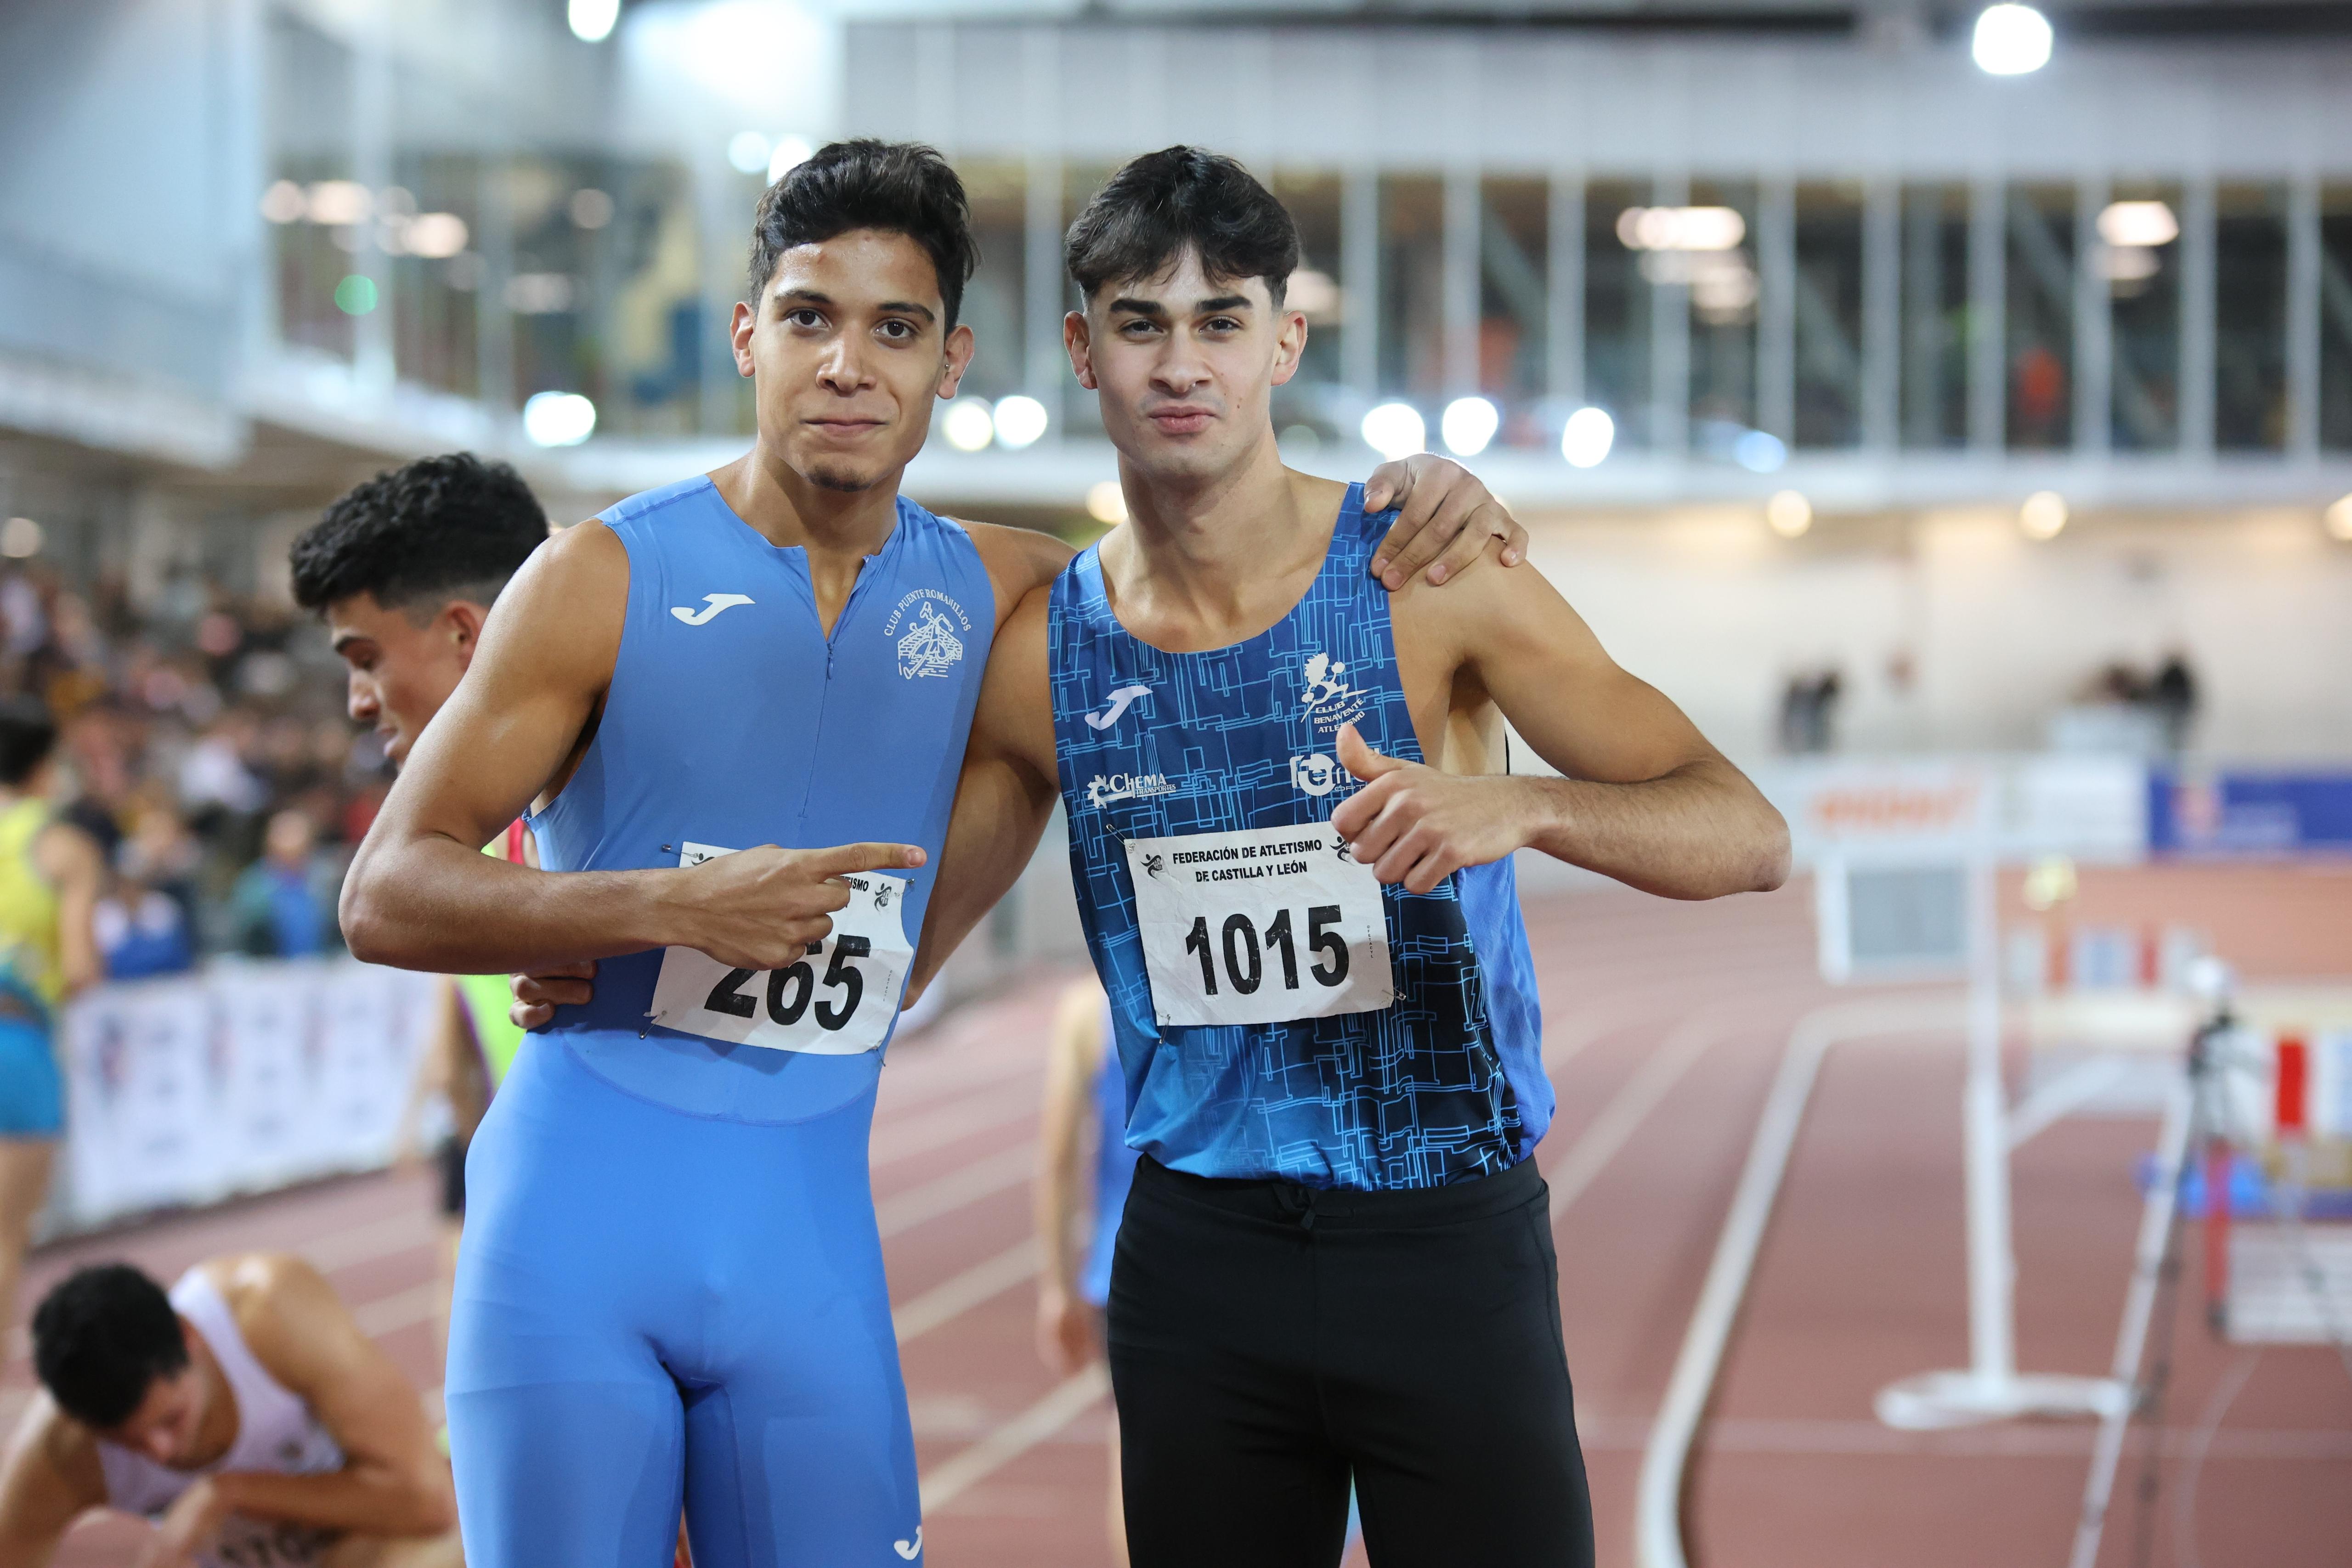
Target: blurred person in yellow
50, 877
1078, 1199
404, 570
245, 1414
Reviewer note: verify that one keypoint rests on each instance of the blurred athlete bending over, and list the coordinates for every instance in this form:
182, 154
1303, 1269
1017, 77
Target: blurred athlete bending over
246, 1414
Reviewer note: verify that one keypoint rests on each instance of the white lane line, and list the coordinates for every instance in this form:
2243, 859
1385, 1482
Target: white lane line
1607, 1134
1657, 1498
952, 1298
926, 1132
966, 1468
946, 1193
367, 1243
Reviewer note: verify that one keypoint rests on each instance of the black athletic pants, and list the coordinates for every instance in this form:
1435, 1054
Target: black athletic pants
1268, 1341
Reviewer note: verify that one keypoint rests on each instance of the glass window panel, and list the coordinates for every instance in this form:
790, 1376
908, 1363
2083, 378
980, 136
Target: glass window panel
1616, 312
2040, 336
2250, 317
654, 327
1722, 286
1311, 400
2144, 306
1412, 288
310, 88
546, 293
1829, 315
1081, 411
429, 291
2335, 318
1936, 316
998, 192
1514, 314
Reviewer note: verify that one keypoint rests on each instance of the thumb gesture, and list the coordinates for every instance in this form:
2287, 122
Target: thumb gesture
1360, 760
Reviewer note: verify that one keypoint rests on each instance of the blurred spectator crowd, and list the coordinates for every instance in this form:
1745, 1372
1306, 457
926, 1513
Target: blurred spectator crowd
208, 756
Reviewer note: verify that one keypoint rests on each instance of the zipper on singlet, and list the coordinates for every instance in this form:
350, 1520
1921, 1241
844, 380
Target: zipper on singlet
866, 570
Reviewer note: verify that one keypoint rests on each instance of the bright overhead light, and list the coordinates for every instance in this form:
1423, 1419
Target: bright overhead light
2124, 263
748, 152
1788, 513
20, 537
339, 201
1467, 425
1313, 294
592, 20
967, 425
1107, 503
1019, 421
435, 236
788, 153
1394, 430
284, 202
1681, 228
591, 208
1760, 452
558, 419
2010, 40
2338, 520
1588, 435
2138, 223
2043, 514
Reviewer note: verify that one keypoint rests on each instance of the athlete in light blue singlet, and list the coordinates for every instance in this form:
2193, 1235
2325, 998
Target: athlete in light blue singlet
727, 1182
1445, 1084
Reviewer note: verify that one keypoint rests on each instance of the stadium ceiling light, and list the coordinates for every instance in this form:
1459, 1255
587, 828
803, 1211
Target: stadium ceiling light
20, 537
967, 424
558, 419
1107, 503
2042, 515
435, 236
284, 202
339, 201
1588, 435
1788, 513
788, 153
747, 151
2144, 224
1467, 425
1019, 421
592, 20
2010, 40
1395, 430
1681, 228
2338, 520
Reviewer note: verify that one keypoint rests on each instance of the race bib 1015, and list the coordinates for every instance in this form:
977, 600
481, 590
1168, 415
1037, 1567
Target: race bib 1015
1263, 925
838, 1000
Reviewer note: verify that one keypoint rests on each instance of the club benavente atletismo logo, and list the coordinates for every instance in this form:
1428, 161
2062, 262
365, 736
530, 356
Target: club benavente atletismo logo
1328, 700
928, 629
713, 604
1121, 701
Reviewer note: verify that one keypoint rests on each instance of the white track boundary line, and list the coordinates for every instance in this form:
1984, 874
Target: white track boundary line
1602, 1138
1069, 1400
1657, 1507
954, 1296
946, 1193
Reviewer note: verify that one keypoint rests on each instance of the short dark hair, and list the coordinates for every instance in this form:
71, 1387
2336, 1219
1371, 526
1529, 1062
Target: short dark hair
899, 187
27, 735
444, 528
101, 1338
1178, 198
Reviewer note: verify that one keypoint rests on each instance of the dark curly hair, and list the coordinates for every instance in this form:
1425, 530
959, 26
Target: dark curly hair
1182, 198
101, 1338
28, 733
900, 187
444, 528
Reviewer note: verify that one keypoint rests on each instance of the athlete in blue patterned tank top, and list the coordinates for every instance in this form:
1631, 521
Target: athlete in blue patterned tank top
1291, 847
671, 1285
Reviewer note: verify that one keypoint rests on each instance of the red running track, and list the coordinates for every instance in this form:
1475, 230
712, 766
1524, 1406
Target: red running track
1666, 1024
